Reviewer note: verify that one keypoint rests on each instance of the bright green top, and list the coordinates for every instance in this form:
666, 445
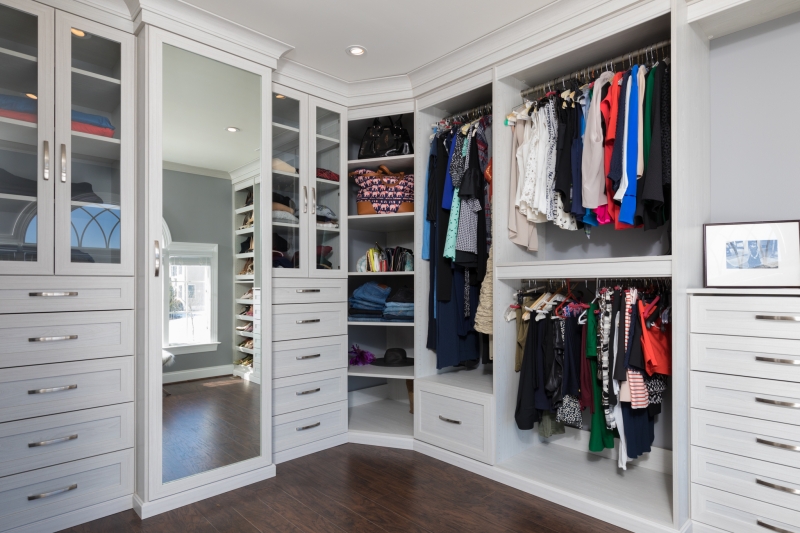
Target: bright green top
648, 114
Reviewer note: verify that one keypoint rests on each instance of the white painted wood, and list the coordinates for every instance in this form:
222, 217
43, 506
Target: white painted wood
382, 110
98, 431
98, 479
26, 338
625, 267
380, 439
722, 17
384, 417
99, 382
290, 358
746, 292
382, 223
96, 294
744, 396
308, 390
288, 321
83, 515
471, 380
731, 512
740, 356
371, 371
98, 11
311, 447
306, 291
732, 315
368, 395
449, 91
698, 527
332, 420
456, 424
197, 373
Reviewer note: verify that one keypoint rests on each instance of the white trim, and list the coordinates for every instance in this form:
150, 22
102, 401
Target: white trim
183, 349
77, 517
381, 439
250, 170
198, 171
311, 447
166, 234
95, 10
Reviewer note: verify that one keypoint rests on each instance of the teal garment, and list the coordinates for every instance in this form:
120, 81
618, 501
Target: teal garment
452, 227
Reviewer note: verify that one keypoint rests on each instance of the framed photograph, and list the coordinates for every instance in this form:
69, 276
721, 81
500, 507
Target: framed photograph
752, 255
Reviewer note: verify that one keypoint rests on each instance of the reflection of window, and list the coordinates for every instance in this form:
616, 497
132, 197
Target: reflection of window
95, 227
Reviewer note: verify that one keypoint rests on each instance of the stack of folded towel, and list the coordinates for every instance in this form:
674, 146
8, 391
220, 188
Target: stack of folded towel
24, 108
400, 305
368, 302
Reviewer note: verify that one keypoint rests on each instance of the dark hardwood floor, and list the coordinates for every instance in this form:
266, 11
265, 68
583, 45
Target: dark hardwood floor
363, 489
209, 423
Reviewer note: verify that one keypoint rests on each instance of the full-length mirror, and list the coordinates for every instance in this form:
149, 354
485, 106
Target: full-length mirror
211, 386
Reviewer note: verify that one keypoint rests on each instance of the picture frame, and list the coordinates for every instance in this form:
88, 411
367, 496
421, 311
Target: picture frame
751, 255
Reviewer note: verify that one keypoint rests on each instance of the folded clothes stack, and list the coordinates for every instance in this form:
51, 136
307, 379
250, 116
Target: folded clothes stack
24, 109
282, 166
283, 209
326, 218
368, 302
323, 257
400, 305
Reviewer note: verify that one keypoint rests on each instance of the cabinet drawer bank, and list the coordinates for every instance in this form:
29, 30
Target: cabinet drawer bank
50, 294
302, 321
307, 291
746, 316
763, 399
731, 512
777, 359
309, 425
292, 358
308, 390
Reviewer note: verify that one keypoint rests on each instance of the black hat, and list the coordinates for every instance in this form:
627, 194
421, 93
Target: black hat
394, 357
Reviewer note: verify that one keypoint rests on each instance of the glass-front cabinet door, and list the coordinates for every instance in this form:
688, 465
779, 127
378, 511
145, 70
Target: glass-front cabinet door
27, 169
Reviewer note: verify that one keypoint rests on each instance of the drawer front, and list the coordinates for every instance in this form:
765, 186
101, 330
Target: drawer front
50, 440
310, 425
458, 425
755, 316
305, 321
745, 356
31, 391
52, 294
308, 291
738, 514
757, 439
90, 481
309, 390
58, 337
763, 481
291, 358
764, 399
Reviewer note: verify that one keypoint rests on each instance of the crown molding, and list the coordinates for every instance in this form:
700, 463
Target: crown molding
381, 110
96, 10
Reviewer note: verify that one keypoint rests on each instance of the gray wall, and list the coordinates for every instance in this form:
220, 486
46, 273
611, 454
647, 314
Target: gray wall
199, 209
755, 153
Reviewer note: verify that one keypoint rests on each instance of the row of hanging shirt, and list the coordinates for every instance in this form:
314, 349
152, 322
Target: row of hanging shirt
593, 154
610, 358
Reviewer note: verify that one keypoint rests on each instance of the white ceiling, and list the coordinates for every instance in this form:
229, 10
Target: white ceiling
400, 36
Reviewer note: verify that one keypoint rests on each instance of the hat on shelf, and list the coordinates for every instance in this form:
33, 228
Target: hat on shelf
394, 357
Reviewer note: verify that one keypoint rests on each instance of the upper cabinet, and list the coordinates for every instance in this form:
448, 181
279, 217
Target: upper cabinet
66, 144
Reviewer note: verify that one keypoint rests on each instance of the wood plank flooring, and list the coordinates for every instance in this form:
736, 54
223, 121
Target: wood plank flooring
363, 489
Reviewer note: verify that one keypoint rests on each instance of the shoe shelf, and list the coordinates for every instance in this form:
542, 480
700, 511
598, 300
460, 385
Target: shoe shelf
243, 192
245, 209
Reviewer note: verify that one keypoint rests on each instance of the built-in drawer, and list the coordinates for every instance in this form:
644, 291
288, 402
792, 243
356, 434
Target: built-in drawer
747, 356
747, 477
746, 316
51, 294
31, 391
764, 399
305, 321
749, 437
308, 390
307, 291
309, 425
291, 358
50, 440
58, 337
738, 514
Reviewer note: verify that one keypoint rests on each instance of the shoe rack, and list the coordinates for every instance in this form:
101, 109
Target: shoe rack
246, 292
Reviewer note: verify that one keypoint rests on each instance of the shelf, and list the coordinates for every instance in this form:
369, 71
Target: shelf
19, 71
288, 174
248, 334
245, 209
387, 417
722, 17
474, 380
389, 323
92, 204
248, 351
325, 143
372, 371
381, 223
244, 279
18, 197
246, 255
327, 183
285, 127
19, 131
332, 230
618, 267
284, 225
95, 91
86, 144
733, 291
241, 301
244, 318
381, 273
397, 163
246, 231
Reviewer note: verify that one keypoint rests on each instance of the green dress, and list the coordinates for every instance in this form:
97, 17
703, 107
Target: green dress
600, 437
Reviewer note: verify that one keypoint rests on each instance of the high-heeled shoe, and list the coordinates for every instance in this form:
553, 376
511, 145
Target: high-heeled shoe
246, 328
252, 244
247, 296
248, 221
248, 267
248, 311
247, 344
249, 200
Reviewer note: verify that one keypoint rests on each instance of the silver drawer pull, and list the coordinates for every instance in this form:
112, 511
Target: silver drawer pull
54, 389
301, 357
46, 169
309, 321
777, 487
307, 427
771, 527
312, 391
53, 294
54, 441
450, 420
779, 361
791, 405
53, 339
778, 445
307, 290
53, 493
782, 318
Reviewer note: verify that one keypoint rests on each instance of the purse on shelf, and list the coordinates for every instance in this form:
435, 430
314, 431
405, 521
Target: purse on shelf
381, 192
385, 141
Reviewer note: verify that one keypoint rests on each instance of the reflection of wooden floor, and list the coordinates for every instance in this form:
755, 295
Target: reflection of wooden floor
209, 423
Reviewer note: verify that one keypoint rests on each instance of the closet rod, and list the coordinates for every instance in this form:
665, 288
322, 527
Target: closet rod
599, 66
482, 109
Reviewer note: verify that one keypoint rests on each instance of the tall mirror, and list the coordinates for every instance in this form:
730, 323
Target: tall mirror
211, 378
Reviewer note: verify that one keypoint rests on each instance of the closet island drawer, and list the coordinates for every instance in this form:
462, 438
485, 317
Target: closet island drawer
50, 440
745, 356
44, 493
309, 425
58, 337
308, 320
459, 424
308, 390
291, 358
52, 294
747, 316
31, 391
758, 439
307, 291
764, 399
738, 514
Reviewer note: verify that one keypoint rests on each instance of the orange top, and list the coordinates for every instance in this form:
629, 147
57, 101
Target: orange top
656, 346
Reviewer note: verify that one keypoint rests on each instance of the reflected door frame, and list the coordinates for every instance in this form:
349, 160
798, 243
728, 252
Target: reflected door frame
149, 486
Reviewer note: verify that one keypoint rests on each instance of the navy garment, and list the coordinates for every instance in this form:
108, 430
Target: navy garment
444, 271
639, 430
457, 340
571, 381
545, 333
615, 170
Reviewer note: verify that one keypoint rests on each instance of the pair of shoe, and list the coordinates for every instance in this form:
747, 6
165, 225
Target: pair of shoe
248, 245
247, 296
247, 344
249, 218
247, 361
248, 269
248, 311
245, 329
249, 200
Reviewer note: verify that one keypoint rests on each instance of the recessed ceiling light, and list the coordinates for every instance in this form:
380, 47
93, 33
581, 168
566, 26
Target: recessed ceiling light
279, 96
32, 96
78, 33
232, 129
356, 50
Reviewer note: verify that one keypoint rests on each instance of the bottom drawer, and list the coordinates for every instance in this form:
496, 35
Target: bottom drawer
737, 514
309, 425
456, 424
41, 494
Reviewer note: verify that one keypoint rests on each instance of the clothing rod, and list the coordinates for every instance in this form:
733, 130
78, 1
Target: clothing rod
599, 66
484, 107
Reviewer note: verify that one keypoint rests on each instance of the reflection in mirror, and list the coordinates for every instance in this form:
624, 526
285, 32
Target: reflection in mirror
212, 275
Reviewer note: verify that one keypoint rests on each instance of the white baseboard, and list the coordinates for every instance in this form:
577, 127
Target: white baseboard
368, 395
381, 439
162, 505
692, 527
197, 373
77, 517
308, 449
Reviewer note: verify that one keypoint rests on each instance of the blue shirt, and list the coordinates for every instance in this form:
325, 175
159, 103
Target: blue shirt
628, 208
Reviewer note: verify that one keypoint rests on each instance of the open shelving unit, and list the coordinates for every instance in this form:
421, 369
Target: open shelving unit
242, 189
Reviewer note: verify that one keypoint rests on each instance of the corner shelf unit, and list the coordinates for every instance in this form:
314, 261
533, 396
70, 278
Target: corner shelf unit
245, 187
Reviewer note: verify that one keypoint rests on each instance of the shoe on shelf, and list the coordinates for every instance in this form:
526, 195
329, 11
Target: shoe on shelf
248, 267
249, 328
243, 328
252, 244
249, 200
247, 296
248, 221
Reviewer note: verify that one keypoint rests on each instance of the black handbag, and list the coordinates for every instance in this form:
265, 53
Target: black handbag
385, 141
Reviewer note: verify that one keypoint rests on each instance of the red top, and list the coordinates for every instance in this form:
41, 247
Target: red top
655, 345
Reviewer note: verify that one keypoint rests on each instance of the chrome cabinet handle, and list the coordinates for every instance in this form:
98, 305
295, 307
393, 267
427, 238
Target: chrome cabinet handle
309, 321
450, 420
157, 251
777, 487
301, 357
312, 391
778, 445
779, 361
791, 405
46, 171
63, 163
313, 200
771, 527
54, 441
53, 294
53, 389
53, 493
781, 318
303, 428
307, 290
305, 199
53, 339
